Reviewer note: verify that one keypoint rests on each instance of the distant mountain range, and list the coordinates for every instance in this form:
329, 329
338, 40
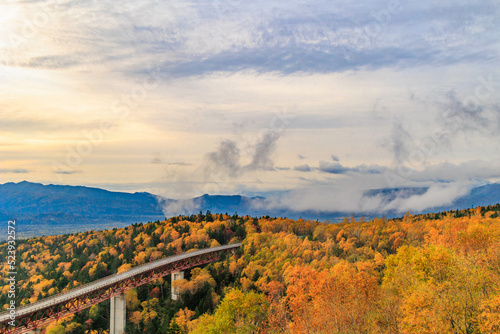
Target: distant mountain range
485, 195
48, 209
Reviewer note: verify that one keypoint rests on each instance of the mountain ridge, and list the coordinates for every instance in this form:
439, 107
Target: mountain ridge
64, 206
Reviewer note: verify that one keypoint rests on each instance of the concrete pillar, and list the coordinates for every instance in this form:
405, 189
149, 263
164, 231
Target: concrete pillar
118, 315
177, 275
35, 331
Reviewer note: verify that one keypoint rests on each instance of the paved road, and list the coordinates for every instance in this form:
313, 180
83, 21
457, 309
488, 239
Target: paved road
68, 295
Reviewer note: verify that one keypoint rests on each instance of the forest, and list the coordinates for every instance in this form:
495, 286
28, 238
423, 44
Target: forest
433, 273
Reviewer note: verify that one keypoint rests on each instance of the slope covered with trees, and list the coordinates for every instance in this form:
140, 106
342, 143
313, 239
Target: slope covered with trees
435, 273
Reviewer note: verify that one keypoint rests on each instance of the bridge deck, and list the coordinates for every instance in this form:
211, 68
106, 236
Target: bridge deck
109, 281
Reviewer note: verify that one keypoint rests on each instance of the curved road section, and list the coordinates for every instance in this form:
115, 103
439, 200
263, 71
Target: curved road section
55, 307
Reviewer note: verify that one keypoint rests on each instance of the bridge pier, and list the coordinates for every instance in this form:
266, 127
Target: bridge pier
176, 275
118, 315
35, 331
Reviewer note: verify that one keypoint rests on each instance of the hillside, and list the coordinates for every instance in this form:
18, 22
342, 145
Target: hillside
417, 274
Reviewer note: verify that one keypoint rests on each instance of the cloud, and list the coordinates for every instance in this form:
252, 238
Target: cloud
14, 171
51, 62
447, 172
194, 38
324, 198
264, 148
354, 198
324, 38
433, 186
302, 168
468, 115
436, 195
333, 167
227, 157
184, 164
401, 141
67, 172
290, 60
173, 208
418, 142
337, 168
157, 161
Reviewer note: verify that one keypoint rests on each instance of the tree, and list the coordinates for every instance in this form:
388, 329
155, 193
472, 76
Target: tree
337, 300
174, 328
489, 319
239, 312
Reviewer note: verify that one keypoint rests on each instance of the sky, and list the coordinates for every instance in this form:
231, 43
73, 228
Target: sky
309, 103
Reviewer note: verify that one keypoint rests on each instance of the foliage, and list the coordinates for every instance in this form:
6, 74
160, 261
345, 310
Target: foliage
239, 312
434, 273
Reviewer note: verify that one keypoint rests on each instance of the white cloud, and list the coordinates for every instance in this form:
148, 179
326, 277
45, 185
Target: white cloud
353, 192
437, 195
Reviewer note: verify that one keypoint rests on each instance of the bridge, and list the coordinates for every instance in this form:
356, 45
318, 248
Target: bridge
30, 318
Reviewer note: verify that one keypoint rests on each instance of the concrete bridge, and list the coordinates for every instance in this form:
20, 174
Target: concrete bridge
30, 318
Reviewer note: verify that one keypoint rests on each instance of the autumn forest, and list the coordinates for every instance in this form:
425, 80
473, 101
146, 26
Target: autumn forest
433, 273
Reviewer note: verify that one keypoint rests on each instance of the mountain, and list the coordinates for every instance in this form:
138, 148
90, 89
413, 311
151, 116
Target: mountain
390, 194
50, 209
227, 203
252, 206
47, 209
34, 198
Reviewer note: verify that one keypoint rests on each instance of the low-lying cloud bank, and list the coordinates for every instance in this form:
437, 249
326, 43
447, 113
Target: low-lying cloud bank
379, 189
389, 191
389, 200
